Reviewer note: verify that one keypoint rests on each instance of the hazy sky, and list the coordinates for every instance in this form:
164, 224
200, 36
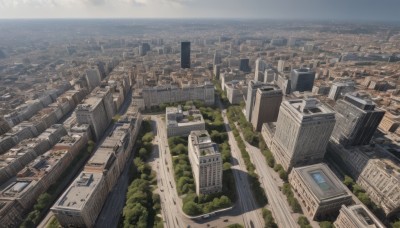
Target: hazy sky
280, 9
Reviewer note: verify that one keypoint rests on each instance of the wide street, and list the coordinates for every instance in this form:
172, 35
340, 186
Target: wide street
278, 204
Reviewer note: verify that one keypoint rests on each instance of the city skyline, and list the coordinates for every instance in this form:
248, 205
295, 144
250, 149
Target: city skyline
355, 10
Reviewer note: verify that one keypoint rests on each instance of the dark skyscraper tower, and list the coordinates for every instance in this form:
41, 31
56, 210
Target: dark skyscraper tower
356, 121
185, 54
302, 80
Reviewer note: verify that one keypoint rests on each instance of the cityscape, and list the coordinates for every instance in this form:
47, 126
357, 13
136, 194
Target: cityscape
198, 121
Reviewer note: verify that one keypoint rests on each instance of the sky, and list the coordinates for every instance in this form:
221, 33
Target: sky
373, 10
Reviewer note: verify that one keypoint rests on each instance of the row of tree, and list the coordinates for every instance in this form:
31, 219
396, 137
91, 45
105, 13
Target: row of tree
236, 115
268, 219
255, 185
142, 205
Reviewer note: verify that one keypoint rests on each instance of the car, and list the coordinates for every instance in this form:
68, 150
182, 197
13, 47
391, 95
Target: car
206, 216
226, 220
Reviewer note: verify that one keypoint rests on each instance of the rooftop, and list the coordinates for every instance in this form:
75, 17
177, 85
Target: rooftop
308, 107
79, 191
361, 215
201, 140
321, 181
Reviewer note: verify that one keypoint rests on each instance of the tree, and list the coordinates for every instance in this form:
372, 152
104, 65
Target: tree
326, 224
43, 201
302, 220
364, 198
142, 152
357, 189
348, 181
136, 215
396, 224
191, 208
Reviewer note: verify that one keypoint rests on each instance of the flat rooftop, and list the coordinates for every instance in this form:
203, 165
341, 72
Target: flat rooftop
364, 217
321, 181
201, 140
79, 191
308, 107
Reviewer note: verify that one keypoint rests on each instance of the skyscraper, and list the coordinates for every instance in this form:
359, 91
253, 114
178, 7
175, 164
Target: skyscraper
339, 89
357, 121
266, 106
302, 80
259, 71
144, 48
302, 132
251, 94
185, 54
93, 78
244, 65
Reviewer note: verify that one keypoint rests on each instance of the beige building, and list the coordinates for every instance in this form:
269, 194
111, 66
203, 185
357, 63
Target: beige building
97, 111
181, 123
81, 203
266, 106
376, 170
206, 162
309, 124
390, 122
154, 96
319, 191
357, 216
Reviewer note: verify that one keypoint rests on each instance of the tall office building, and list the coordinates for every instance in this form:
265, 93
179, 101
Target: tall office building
244, 65
251, 94
206, 162
143, 49
302, 80
217, 71
260, 69
93, 78
269, 75
185, 54
97, 111
281, 66
302, 132
266, 106
339, 89
357, 121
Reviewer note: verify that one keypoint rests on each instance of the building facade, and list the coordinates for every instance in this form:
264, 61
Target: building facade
309, 124
251, 95
321, 194
357, 216
185, 55
206, 162
356, 121
181, 123
266, 106
302, 80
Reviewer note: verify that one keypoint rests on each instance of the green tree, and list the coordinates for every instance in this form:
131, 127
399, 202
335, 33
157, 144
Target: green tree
326, 224
348, 181
302, 220
396, 224
191, 208
142, 152
42, 202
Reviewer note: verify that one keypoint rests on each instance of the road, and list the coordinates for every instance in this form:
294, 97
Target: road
279, 206
252, 216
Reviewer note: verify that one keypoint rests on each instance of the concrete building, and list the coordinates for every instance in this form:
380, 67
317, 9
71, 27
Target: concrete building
269, 75
320, 193
181, 123
93, 78
216, 71
154, 96
390, 121
244, 65
357, 216
309, 124
81, 203
185, 55
356, 121
302, 80
339, 89
251, 96
259, 71
266, 106
284, 83
217, 58
375, 169
235, 91
206, 162
97, 111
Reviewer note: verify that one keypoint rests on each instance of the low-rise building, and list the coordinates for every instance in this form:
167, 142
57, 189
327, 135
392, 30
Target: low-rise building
181, 123
357, 216
206, 162
319, 191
